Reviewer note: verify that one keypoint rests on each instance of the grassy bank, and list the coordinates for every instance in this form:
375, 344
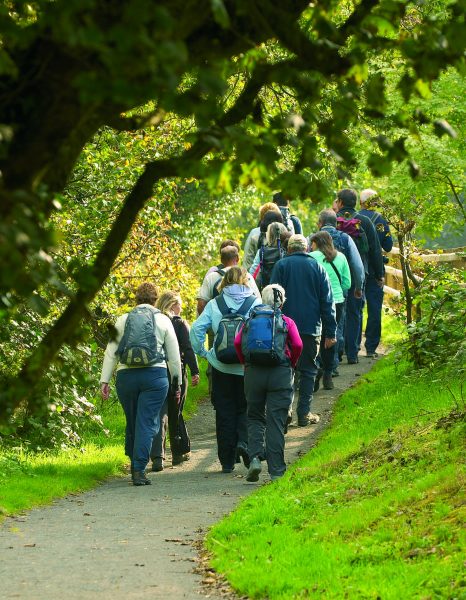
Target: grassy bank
373, 511
30, 479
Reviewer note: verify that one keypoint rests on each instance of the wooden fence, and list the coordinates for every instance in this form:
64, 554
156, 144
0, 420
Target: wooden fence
393, 275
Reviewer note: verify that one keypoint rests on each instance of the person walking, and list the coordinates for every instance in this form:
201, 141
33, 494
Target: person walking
337, 268
309, 302
268, 254
269, 387
145, 343
223, 314
171, 414
373, 265
255, 236
374, 291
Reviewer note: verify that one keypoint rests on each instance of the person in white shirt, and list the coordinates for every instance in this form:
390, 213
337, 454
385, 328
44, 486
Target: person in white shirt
142, 389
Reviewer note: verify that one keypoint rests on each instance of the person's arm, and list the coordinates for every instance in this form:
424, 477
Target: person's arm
344, 272
255, 264
172, 350
250, 249
385, 236
295, 341
201, 304
356, 265
199, 329
186, 349
327, 308
110, 358
375, 250
253, 285
298, 228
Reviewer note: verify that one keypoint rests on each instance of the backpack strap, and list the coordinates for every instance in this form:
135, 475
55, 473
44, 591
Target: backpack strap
242, 310
335, 269
246, 306
222, 305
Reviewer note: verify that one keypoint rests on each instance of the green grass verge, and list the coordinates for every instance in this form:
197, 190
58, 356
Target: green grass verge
373, 511
30, 479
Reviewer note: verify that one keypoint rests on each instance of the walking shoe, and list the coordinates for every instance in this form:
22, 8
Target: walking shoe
353, 361
317, 380
242, 452
228, 469
254, 470
157, 464
327, 381
371, 354
139, 478
288, 421
309, 419
178, 459
275, 477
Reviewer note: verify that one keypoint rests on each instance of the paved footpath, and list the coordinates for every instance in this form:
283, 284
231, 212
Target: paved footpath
123, 542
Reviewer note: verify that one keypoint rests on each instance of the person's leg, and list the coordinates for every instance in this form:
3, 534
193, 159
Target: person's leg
153, 385
157, 452
353, 326
374, 301
255, 379
307, 372
279, 396
329, 355
223, 398
128, 395
341, 336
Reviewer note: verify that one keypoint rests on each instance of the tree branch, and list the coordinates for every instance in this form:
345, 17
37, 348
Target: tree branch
121, 123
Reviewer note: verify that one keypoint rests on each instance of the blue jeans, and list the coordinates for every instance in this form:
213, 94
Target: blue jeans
353, 325
141, 393
307, 368
374, 301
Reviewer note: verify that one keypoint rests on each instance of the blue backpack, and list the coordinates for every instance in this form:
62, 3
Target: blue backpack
138, 346
229, 325
264, 337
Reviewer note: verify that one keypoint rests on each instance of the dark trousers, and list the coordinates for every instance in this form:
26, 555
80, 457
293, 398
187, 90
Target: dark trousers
353, 325
374, 302
229, 403
329, 356
141, 393
307, 368
170, 415
269, 393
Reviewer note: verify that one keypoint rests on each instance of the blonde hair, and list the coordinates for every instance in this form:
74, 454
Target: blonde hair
237, 275
167, 301
274, 233
265, 208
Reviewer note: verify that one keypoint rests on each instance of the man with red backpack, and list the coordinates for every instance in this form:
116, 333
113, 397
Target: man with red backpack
362, 231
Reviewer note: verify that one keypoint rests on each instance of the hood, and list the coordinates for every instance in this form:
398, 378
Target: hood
238, 293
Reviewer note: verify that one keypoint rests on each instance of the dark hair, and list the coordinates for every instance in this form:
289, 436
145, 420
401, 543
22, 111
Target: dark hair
280, 199
348, 197
228, 254
226, 243
324, 242
270, 217
147, 293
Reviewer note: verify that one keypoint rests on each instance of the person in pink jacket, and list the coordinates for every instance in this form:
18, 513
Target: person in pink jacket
269, 392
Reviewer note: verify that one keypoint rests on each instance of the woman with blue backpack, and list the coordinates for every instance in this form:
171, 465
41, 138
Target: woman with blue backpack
269, 345
225, 314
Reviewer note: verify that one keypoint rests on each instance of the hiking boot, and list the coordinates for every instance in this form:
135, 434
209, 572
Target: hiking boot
309, 419
139, 478
254, 470
157, 464
353, 361
242, 452
371, 354
327, 381
178, 459
317, 380
275, 477
228, 469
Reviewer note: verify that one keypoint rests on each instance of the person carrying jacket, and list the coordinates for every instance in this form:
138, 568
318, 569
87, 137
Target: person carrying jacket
142, 390
227, 394
374, 291
309, 302
171, 414
269, 394
373, 264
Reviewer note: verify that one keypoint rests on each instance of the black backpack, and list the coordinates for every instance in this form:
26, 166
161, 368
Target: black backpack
287, 221
221, 272
269, 255
138, 346
229, 325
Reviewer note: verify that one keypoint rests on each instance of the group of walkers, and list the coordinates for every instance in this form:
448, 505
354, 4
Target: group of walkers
273, 327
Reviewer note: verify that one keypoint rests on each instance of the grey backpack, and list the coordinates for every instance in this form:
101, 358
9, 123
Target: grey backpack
138, 346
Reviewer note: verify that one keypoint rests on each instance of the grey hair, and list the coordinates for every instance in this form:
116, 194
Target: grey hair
297, 243
267, 294
366, 195
274, 231
328, 217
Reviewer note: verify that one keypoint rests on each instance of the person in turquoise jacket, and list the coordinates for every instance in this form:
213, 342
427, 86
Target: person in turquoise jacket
227, 395
338, 271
